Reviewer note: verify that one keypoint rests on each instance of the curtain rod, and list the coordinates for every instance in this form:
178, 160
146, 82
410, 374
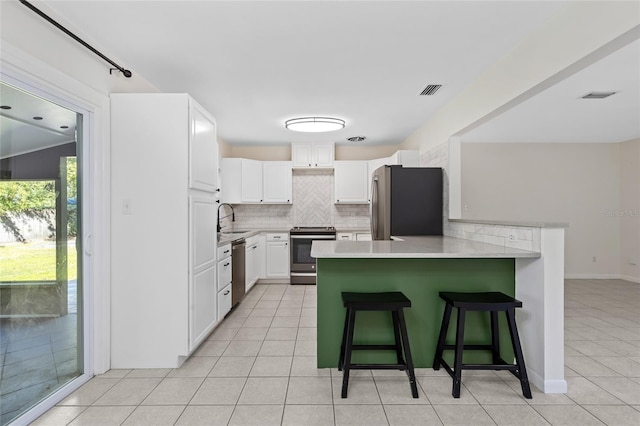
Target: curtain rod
125, 72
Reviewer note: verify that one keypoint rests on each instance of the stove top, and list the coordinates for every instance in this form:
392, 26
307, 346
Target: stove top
313, 230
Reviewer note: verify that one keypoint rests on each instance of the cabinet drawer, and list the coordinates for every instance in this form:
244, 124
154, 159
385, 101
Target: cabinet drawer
224, 301
224, 251
224, 273
344, 236
277, 236
365, 236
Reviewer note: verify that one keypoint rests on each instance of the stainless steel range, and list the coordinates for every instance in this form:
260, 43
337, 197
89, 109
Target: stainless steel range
303, 266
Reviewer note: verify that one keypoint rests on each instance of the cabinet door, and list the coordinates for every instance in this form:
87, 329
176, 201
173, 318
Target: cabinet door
250, 267
251, 181
203, 150
323, 155
202, 233
277, 182
301, 154
224, 302
351, 182
203, 306
277, 259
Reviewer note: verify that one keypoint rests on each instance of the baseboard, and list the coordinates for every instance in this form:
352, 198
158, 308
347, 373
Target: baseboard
601, 277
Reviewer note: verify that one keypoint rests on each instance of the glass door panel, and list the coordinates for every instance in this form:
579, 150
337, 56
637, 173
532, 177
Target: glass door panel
41, 347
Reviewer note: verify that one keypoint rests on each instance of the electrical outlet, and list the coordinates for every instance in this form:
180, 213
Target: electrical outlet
512, 236
466, 207
594, 259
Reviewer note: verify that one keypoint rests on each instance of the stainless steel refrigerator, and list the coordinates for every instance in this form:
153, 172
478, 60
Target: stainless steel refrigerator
406, 201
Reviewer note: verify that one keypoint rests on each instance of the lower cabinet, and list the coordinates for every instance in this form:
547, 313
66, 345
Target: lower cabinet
224, 301
277, 264
203, 309
254, 256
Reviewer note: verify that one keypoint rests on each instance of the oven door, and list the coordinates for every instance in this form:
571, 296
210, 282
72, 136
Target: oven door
302, 264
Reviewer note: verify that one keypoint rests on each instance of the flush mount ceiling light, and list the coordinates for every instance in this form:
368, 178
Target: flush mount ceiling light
314, 124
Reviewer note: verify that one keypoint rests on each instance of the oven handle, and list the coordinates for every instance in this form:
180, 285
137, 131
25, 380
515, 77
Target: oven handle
314, 237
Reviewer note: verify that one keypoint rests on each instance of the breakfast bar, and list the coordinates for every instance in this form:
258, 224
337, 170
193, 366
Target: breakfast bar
421, 267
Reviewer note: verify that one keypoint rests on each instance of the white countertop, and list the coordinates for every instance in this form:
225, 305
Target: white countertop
415, 247
512, 223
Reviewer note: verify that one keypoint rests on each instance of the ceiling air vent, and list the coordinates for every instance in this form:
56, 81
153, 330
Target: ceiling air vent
598, 95
430, 90
356, 138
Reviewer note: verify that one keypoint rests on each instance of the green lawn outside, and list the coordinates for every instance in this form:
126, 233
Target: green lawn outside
33, 261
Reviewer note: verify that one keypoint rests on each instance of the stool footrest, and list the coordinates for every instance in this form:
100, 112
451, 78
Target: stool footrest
378, 367
373, 347
470, 347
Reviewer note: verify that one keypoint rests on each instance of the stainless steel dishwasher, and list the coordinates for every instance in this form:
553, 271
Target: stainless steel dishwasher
237, 271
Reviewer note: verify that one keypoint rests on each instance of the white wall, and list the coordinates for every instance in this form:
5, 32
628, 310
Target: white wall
573, 183
629, 213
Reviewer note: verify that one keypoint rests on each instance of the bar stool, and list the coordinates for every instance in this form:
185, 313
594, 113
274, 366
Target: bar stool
392, 302
492, 302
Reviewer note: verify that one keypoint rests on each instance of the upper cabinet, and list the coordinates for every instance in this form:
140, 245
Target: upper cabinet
351, 182
312, 155
247, 181
277, 184
203, 150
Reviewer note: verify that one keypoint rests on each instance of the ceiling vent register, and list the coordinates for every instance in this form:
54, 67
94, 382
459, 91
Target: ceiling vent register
430, 90
598, 95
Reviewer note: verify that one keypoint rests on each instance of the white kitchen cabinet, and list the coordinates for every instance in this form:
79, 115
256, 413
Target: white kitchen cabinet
247, 181
224, 280
312, 155
241, 181
405, 158
344, 236
224, 302
277, 182
163, 239
254, 254
351, 182
277, 264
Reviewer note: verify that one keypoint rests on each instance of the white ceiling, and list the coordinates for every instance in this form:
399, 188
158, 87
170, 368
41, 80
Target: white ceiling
20, 133
255, 64
559, 114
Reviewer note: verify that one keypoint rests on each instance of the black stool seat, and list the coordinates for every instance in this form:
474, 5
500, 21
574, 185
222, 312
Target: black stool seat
376, 301
392, 302
487, 301
492, 302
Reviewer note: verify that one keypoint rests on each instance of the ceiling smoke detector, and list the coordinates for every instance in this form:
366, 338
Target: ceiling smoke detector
598, 95
356, 138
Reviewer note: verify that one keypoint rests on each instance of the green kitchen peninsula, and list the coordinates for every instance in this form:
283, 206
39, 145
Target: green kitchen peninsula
420, 267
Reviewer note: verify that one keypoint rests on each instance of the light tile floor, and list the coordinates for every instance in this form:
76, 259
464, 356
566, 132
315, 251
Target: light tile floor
258, 368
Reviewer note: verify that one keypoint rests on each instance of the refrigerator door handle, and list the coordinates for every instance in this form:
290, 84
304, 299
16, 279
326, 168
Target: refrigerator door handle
374, 207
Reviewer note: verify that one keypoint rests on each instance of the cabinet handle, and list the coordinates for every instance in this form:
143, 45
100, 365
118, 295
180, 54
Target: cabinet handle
226, 264
226, 292
316, 164
226, 251
276, 237
309, 164
217, 201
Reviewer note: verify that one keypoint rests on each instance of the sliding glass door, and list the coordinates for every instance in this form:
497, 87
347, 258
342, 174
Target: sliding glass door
41, 321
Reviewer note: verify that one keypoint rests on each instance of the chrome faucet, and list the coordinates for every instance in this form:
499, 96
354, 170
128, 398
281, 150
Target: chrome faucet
233, 215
